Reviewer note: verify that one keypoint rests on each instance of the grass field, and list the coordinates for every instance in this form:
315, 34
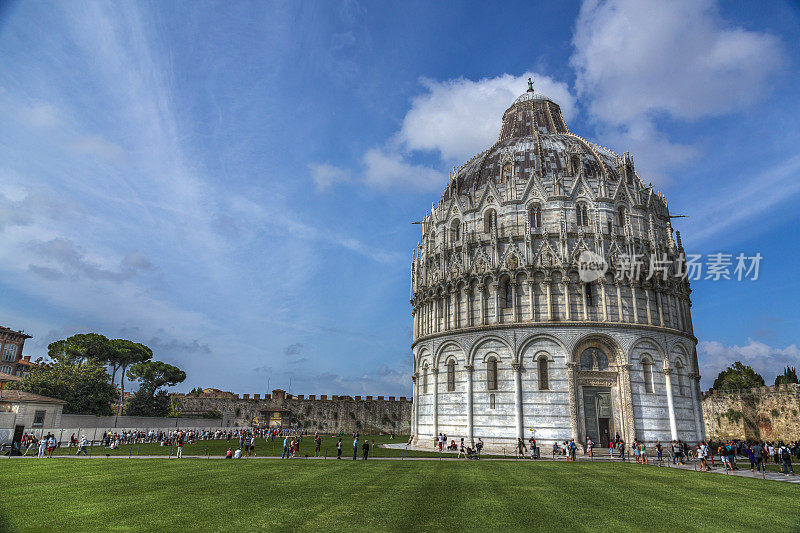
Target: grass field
202, 495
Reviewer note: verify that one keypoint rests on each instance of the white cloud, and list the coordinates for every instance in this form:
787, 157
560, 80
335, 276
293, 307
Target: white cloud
460, 117
455, 119
40, 115
97, 146
325, 175
638, 60
767, 360
389, 170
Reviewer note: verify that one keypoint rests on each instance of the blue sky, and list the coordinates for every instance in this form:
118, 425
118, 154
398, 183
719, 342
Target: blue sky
233, 183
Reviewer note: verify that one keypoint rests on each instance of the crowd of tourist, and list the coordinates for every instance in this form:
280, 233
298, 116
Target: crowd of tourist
730, 455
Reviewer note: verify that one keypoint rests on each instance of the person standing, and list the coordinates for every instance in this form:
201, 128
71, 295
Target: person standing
365, 447
42, 447
758, 456
285, 452
659, 451
355, 447
179, 455
339, 448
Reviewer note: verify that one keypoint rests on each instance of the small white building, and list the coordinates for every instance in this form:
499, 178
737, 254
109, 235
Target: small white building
22, 412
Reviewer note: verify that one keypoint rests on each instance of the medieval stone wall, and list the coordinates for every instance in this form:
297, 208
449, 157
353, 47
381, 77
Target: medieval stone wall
765, 413
339, 413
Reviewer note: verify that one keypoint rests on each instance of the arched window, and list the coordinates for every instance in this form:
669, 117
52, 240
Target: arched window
589, 297
679, 376
507, 295
594, 359
489, 220
451, 375
544, 374
575, 162
508, 171
621, 216
491, 401
491, 374
455, 230
582, 214
536, 216
425, 379
647, 373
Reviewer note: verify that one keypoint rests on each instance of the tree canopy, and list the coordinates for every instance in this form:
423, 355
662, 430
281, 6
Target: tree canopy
151, 399
738, 376
85, 387
788, 377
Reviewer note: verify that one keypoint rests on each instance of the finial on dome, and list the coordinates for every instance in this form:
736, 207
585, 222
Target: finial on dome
530, 85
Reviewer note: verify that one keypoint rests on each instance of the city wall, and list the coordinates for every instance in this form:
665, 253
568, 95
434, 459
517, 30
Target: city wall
313, 413
762, 413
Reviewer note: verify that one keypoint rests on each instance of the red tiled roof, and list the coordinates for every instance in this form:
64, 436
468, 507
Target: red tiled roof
21, 396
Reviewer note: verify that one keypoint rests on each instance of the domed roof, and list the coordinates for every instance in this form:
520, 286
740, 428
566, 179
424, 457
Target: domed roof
536, 140
531, 95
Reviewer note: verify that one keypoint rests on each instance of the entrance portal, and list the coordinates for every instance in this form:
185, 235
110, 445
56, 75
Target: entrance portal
598, 415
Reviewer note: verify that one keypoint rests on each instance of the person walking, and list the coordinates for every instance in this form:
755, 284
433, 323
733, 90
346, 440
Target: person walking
285, 452
42, 448
339, 448
659, 451
82, 446
461, 449
355, 447
179, 454
365, 448
643, 453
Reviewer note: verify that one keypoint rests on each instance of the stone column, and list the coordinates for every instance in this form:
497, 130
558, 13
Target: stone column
584, 304
517, 369
635, 305
629, 424
568, 313
659, 305
497, 314
673, 426
468, 304
470, 430
415, 405
456, 309
619, 301
482, 302
532, 302
602, 284
694, 379
435, 371
514, 312
649, 315
549, 300
572, 385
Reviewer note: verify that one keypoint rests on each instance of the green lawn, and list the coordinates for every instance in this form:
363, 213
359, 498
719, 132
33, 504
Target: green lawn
201, 495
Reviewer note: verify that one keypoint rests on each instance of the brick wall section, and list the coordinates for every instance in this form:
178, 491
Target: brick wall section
341, 413
765, 413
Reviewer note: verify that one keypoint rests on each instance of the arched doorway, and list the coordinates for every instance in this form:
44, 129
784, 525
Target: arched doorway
599, 395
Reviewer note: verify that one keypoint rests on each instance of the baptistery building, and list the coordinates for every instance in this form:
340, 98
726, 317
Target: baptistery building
548, 298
